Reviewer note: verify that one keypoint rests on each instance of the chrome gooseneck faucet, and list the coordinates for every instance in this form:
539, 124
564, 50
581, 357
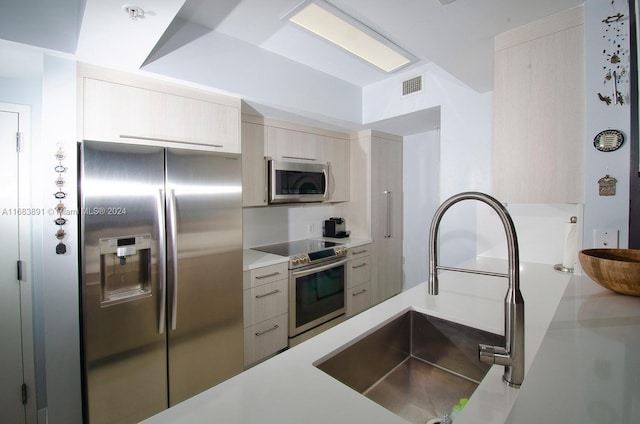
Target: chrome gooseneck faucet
512, 355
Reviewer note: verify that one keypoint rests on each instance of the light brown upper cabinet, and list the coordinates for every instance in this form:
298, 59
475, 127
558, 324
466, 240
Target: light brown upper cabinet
539, 111
264, 138
130, 108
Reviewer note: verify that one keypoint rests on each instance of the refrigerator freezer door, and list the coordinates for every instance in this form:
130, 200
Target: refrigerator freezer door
204, 275
123, 336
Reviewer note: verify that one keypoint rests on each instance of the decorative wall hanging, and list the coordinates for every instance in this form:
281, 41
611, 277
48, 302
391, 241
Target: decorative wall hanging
60, 207
607, 186
616, 59
608, 140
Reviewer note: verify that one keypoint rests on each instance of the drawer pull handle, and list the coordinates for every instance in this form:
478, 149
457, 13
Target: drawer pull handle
260, 296
359, 293
360, 265
359, 252
273, 274
262, 333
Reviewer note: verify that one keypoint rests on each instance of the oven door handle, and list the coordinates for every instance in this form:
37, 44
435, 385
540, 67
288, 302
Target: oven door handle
314, 269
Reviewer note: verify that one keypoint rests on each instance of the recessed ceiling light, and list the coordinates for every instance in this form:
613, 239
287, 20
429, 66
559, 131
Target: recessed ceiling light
343, 30
134, 12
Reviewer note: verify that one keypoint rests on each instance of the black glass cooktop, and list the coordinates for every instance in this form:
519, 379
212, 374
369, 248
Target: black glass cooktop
297, 247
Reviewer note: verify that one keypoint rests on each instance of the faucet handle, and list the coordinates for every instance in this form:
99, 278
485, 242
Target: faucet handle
494, 355
486, 353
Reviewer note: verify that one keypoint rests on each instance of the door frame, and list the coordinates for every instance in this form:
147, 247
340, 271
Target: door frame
24, 248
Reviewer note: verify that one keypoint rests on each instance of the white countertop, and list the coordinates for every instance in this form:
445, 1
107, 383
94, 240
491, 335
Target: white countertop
255, 259
579, 369
588, 365
252, 259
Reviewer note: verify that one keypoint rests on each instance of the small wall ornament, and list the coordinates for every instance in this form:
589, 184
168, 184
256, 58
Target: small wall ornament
60, 208
608, 140
616, 59
607, 186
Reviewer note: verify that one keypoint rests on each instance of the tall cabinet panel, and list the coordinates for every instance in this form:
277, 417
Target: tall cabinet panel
375, 207
386, 217
254, 169
539, 111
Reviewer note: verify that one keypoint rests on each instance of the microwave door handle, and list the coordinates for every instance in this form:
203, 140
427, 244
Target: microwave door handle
162, 259
313, 270
325, 172
271, 180
173, 233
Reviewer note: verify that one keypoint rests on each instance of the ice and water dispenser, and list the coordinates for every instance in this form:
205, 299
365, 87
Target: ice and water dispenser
125, 268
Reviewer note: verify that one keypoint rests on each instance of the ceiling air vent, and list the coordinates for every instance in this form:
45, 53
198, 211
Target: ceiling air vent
412, 85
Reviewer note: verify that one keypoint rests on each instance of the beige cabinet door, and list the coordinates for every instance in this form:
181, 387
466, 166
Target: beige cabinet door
113, 112
539, 111
335, 151
254, 166
358, 282
286, 144
386, 218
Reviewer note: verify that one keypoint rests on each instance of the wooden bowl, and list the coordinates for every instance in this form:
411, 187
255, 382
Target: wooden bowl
614, 269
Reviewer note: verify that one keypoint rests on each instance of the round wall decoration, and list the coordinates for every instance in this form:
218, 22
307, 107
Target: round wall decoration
608, 140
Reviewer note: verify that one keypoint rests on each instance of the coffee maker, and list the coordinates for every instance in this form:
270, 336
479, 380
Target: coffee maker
335, 227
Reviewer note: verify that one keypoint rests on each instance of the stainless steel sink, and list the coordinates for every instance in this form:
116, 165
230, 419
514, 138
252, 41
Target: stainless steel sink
417, 366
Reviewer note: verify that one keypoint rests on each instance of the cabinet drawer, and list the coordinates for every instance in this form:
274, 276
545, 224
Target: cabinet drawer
359, 271
265, 338
264, 275
264, 302
360, 251
358, 298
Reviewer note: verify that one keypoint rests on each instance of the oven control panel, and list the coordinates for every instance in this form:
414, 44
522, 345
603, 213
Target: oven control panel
318, 256
341, 251
300, 260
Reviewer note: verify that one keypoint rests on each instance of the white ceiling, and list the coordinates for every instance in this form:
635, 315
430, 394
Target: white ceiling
458, 36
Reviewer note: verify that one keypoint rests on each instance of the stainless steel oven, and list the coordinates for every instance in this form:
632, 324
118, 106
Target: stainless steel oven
317, 294
317, 282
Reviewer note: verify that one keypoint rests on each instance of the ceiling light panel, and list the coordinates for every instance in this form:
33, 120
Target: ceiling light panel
343, 30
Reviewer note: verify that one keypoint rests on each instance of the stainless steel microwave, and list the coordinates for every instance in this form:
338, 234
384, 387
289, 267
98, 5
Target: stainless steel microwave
298, 182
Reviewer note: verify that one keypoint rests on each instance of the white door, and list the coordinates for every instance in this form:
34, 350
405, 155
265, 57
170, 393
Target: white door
12, 296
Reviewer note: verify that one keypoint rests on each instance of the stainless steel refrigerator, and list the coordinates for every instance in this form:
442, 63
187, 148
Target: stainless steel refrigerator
161, 265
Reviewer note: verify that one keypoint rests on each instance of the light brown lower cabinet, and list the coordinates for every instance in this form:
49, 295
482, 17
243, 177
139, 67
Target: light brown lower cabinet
266, 296
359, 280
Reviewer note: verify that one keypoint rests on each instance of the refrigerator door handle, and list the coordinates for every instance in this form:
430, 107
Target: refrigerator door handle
173, 234
162, 256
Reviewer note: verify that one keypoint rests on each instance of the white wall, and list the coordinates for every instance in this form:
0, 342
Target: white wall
256, 75
421, 181
540, 229
276, 224
604, 212
21, 83
59, 273
47, 85
465, 146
